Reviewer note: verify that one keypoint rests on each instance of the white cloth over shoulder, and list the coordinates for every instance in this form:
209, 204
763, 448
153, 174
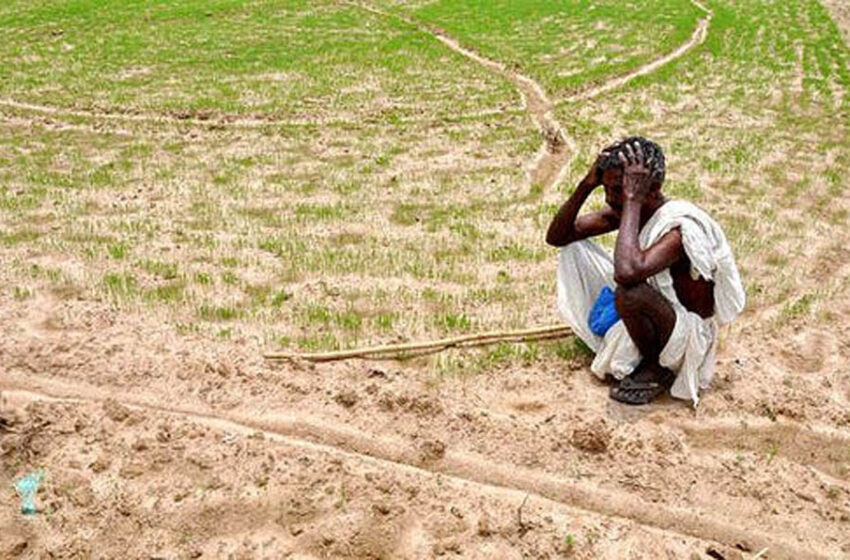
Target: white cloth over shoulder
584, 268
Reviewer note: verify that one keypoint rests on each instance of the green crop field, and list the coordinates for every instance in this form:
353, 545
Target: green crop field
323, 175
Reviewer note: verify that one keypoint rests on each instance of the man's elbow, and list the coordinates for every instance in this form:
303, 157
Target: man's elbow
627, 276
556, 239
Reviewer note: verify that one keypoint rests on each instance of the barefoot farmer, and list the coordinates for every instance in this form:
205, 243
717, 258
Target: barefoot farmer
652, 312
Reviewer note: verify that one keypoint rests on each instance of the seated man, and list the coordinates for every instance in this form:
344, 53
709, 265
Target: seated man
673, 272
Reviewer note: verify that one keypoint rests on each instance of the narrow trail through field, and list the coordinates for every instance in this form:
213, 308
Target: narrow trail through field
152, 118
697, 37
211, 121
553, 154
316, 434
553, 157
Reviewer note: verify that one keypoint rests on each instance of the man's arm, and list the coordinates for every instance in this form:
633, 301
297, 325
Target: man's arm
567, 227
631, 264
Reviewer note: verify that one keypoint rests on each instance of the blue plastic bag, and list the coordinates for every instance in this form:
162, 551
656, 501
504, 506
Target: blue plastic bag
27, 487
603, 314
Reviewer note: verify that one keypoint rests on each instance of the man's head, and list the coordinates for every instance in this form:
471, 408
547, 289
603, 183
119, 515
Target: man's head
611, 169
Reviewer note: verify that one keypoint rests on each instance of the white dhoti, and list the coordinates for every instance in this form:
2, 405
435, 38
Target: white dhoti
584, 268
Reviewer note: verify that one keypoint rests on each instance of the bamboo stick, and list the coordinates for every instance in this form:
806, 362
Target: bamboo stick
538, 333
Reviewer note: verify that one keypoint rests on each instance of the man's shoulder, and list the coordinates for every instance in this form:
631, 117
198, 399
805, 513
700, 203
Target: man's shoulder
682, 206
678, 209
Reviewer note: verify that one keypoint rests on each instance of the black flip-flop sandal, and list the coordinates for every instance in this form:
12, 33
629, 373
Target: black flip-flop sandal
634, 392
637, 393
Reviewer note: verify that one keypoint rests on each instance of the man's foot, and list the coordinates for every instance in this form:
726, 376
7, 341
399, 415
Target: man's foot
645, 384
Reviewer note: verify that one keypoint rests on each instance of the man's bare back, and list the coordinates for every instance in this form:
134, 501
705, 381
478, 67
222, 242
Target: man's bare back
696, 295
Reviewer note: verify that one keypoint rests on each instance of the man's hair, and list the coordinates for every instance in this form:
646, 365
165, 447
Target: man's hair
651, 151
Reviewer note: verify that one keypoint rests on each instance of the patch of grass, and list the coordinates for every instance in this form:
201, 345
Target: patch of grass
163, 270
319, 342
318, 314
405, 214
348, 320
453, 322
21, 293
385, 320
218, 313
309, 212
569, 543
270, 217
120, 285
515, 252
347, 238
267, 295
279, 297
169, 293
772, 451
797, 308
572, 349
117, 251
25, 235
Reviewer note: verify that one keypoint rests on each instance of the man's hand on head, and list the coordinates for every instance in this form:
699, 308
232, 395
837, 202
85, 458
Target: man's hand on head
593, 178
567, 226
637, 177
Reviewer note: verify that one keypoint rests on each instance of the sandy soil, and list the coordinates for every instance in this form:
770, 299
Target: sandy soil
159, 445
164, 445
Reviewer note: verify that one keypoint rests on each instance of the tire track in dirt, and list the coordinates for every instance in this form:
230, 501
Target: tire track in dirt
430, 458
245, 512
824, 449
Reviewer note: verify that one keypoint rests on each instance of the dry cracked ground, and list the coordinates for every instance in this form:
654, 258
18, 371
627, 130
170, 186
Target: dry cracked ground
169, 216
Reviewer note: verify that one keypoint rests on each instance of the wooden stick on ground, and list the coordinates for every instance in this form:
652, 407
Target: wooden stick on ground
387, 351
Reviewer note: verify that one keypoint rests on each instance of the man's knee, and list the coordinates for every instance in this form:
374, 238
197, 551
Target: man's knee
630, 299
